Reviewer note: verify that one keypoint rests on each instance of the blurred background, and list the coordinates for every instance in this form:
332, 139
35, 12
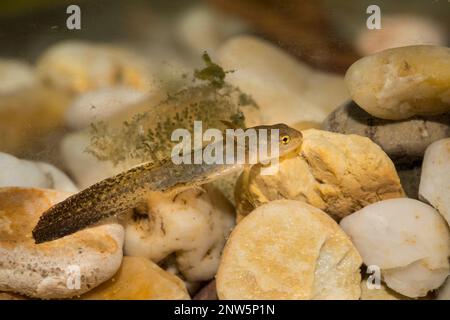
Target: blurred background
329, 34
290, 56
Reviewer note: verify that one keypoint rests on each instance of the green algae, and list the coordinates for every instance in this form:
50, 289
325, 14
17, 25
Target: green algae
146, 137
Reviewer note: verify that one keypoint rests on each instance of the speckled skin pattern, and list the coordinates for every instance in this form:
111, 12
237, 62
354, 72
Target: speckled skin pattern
124, 191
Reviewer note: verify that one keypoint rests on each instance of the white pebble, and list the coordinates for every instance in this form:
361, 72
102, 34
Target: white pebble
79, 66
84, 167
202, 28
435, 179
407, 239
100, 104
15, 172
192, 224
286, 90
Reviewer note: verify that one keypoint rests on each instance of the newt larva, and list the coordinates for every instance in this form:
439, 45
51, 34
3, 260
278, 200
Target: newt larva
122, 192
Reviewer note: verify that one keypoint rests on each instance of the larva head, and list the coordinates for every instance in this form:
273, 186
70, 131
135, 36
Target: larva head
289, 138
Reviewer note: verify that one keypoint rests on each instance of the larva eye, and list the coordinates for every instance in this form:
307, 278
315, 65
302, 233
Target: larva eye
285, 139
